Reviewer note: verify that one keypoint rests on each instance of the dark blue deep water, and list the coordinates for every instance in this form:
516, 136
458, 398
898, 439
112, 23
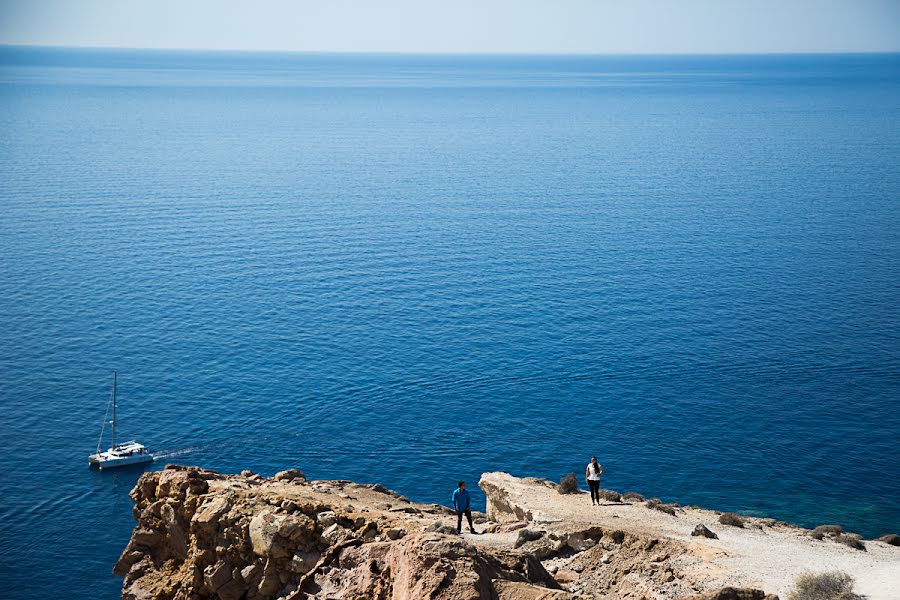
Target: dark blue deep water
415, 269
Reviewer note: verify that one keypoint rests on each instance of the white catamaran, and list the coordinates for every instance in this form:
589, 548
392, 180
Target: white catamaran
128, 453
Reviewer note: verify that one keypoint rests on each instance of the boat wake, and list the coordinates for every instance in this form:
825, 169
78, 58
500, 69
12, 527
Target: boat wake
167, 454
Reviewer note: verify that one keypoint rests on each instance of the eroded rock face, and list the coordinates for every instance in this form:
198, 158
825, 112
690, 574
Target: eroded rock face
430, 566
499, 506
204, 535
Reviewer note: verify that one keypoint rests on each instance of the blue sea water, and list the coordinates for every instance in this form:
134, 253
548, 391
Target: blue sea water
412, 270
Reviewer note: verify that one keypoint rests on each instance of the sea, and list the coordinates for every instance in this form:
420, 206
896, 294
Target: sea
415, 269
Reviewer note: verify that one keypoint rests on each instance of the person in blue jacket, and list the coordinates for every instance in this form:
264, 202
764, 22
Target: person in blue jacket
462, 505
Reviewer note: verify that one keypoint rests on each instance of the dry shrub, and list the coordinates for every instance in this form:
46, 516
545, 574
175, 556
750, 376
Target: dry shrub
656, 504
891, 538
848, 539
822, 530
834, 585
610, 495
568, 484
733, 519
633, 496
669, 509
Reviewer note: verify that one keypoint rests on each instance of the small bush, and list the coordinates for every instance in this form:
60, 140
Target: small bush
825, 586
610, 495
891, 538
848, 539
732, 519
666, 508
822, 530
568, 484
633, 496
702, 530
439, 527
656, 504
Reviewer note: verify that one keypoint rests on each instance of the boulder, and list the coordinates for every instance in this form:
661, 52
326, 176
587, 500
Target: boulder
303, 562
326, 519
290, 475
528, 535
263, 529
210, 511
334, 534
271, 534
217, 575
180, 484
503, 499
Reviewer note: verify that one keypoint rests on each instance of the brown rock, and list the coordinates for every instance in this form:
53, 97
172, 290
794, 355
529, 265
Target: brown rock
290, 475
566, 575
203, 535
217, 575
428, 566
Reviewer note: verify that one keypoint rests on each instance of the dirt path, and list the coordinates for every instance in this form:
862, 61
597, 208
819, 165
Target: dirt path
763, 554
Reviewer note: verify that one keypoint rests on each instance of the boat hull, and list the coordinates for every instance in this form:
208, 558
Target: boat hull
129, 453
111, 463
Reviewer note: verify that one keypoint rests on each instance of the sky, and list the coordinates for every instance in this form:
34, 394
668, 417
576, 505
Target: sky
460, 26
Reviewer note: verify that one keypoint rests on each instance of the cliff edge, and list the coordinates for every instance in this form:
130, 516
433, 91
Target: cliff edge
667, 548
201, 534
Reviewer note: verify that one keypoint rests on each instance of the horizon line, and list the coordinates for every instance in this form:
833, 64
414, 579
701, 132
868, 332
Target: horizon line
454, 53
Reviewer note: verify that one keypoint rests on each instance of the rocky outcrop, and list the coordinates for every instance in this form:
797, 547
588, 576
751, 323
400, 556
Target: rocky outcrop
200, 534
500, 507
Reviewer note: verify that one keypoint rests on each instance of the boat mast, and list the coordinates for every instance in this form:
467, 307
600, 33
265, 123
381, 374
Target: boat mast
114, 411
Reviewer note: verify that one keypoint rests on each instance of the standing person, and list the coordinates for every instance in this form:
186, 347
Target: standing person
592, 474
462, 505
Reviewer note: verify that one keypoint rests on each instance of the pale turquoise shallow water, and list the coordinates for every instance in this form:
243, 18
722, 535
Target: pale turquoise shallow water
415, 269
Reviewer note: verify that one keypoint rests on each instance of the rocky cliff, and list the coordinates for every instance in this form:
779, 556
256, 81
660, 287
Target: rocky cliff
201, 534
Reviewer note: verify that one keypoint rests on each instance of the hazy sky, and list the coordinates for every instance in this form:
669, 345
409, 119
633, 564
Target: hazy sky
532, 26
